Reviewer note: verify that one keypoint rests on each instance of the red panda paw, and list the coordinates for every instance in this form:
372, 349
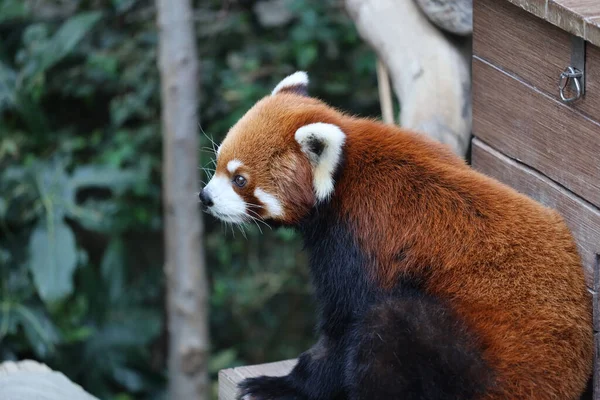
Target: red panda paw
268, 388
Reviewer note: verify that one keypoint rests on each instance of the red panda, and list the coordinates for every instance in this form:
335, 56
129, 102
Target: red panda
433, 281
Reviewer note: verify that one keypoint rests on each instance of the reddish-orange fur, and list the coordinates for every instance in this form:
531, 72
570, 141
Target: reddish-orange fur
507, 264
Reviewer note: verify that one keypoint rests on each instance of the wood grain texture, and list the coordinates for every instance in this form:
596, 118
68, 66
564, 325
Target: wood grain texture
574, 16
592, 30
529, 126
535, 7
582, 8
582, 218
534, 50
229, 378
519, 43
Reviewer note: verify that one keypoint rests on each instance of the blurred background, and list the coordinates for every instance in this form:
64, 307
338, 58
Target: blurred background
82, 287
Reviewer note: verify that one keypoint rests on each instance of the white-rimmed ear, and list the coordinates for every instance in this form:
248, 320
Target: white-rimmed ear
322, 143
296, 83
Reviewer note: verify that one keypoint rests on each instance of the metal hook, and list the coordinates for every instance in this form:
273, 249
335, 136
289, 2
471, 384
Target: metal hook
567, 75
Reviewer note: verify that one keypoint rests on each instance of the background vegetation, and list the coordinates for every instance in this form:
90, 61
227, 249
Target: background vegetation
81, 281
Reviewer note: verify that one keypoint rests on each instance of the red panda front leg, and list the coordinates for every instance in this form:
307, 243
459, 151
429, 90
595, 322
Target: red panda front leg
317, 376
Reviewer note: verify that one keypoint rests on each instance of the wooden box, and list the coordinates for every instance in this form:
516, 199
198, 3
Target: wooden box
526, 135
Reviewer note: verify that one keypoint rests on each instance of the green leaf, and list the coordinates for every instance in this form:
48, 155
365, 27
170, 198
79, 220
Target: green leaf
113, 269
123, 5
52, 259
8, 319
13, 9
3, 208
131, 379
53, 186
104, 62
117, 180
97, 216
67, 37
8, 84
39, 330
137, 326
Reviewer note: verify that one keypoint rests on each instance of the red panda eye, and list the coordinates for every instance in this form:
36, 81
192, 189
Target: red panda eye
239, 181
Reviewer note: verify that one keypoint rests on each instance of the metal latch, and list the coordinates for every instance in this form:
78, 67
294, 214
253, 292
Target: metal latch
572, 79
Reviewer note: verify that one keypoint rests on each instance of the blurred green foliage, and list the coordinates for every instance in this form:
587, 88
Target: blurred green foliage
81, 282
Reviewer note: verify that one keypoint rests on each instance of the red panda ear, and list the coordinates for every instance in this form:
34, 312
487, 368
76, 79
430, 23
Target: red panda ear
322, 143
296, 83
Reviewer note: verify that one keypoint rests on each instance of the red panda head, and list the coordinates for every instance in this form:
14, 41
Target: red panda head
278, 160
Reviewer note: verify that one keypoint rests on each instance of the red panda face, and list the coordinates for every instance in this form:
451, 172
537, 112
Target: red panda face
278, 161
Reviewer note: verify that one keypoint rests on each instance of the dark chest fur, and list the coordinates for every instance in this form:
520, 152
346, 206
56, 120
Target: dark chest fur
339, 269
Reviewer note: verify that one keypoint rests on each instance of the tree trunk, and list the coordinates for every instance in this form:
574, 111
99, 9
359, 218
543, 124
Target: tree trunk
430, 74
184, 264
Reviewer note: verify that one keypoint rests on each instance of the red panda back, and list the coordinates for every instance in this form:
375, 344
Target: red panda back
507, 264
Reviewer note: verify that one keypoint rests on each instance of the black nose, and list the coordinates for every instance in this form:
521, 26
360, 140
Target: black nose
205, 198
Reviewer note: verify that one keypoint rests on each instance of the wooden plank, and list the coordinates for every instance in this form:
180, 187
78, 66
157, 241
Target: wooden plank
520, 43
572, 15
527, 125
229, 378
582, 218
535, 7
582, 8
592, 30
578, 17
534, 50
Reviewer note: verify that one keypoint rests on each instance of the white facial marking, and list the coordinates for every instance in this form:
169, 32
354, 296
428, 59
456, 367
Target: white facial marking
299, 78
331, 138
270, 202
233, 165
227, 204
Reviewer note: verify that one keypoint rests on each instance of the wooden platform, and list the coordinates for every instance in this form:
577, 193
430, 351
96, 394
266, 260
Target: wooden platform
229, 378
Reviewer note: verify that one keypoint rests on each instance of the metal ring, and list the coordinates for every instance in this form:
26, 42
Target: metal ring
570, 74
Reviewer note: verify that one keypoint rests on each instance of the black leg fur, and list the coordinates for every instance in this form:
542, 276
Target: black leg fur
268, 388
318, 375
406, 346
412, 348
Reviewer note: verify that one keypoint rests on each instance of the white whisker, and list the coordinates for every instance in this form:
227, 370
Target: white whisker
241, 227
214, 145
